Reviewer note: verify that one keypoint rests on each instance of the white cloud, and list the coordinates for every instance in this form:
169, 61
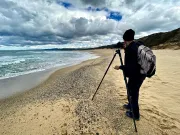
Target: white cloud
45, 22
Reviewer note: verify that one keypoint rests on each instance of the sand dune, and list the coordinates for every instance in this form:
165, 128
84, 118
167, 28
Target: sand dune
62, 104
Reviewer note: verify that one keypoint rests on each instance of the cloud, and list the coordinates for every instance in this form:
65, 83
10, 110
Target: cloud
94, 2
69, 23
129, 2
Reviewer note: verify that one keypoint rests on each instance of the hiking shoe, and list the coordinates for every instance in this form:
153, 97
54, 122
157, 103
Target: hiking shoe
130, 115
127, 106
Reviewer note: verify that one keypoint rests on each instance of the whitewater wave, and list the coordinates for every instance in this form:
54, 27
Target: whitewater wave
15, 63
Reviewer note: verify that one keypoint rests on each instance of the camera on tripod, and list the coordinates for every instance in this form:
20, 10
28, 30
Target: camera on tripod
120, 45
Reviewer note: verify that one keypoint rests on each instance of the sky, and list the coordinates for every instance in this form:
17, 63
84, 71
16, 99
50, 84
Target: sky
41, 24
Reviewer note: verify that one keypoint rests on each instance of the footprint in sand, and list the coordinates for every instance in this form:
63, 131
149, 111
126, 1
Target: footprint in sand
156, 78
164, 82
167, 126
66, 109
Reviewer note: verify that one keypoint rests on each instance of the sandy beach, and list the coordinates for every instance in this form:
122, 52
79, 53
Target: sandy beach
62, 104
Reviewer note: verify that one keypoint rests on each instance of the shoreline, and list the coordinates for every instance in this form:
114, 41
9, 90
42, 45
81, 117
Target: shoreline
26, 82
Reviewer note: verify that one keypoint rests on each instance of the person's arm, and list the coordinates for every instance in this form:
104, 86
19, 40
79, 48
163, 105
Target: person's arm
122, 68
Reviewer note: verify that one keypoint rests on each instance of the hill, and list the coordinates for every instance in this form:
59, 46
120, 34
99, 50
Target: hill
163, 40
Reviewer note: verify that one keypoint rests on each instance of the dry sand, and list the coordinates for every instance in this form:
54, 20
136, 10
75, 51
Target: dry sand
62, 104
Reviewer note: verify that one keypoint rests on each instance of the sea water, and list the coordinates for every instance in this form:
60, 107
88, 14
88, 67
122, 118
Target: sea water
14, 63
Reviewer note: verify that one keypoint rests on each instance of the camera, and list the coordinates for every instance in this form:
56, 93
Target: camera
120, 45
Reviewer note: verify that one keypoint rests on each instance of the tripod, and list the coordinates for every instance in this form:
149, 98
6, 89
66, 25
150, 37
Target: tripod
125, 79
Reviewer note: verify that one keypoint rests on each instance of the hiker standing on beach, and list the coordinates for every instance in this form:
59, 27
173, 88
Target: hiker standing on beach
132, 69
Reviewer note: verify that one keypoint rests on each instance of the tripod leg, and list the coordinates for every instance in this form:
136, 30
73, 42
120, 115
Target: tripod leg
128, 92
104, 75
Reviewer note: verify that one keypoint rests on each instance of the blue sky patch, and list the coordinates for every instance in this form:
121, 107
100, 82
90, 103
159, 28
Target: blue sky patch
65, 4
114, 15
111, 14
97, 9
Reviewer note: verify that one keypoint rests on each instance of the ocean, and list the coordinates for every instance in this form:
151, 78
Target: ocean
14, 63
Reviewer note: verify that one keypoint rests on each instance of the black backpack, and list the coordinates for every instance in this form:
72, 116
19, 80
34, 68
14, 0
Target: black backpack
146, 60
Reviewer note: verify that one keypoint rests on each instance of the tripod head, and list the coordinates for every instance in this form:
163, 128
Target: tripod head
119, 46
118, 51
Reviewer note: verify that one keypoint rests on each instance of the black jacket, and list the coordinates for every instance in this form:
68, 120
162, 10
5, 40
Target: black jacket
131, 66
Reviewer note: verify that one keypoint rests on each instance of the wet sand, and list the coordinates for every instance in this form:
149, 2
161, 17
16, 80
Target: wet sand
14, 85
62, 104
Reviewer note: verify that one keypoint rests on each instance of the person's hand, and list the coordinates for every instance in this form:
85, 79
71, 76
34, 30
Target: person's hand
122, 67
117, 67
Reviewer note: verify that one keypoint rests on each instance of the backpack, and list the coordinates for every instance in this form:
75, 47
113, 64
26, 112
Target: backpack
146, 60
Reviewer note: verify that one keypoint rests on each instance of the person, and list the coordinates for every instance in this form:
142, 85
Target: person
131, 69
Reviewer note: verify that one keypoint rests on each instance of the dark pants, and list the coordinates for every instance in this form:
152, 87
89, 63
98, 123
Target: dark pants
134, 84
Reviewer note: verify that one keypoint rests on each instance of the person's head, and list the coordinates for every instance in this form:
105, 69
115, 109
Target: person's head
128, 36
